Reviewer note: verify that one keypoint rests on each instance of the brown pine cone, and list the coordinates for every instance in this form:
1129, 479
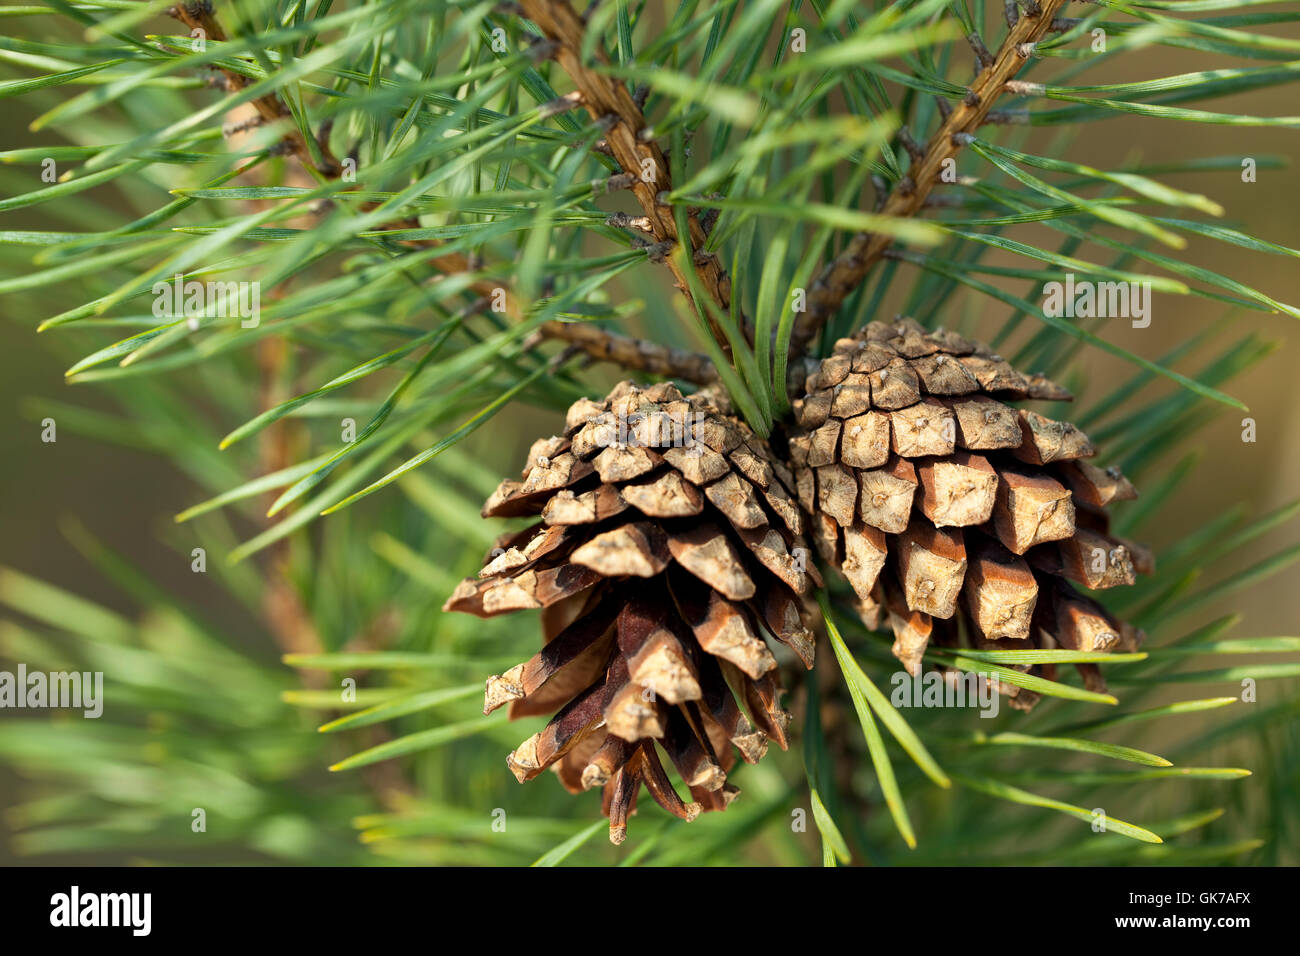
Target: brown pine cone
953, 515
669, 542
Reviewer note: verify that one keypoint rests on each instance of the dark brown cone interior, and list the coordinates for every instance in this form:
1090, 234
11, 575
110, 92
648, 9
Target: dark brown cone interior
957, 518
669, 550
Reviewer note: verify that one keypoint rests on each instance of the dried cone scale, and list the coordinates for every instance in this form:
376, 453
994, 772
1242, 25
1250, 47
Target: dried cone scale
668, 547
953, 515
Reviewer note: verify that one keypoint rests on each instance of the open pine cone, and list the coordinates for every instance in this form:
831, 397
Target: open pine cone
948, 510
669, 541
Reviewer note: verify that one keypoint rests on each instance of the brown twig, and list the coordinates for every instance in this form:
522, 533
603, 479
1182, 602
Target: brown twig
632, 145
631, 353
199, 15
844, 273
287, 617
634, 353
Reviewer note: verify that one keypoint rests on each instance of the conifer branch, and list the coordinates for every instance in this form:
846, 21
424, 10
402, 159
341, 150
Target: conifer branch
844, 273
199, 15
631, 353
631, 143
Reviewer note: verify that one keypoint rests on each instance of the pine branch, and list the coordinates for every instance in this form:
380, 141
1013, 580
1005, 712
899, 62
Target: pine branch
631, 353
631, 144
844, 273
199, 15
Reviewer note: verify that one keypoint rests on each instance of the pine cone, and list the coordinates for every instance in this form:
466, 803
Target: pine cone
949, 511
669, 541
